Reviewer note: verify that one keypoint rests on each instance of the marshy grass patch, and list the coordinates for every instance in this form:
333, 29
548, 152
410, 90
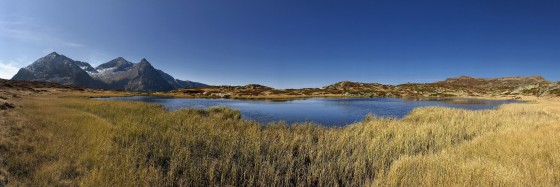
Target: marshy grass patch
77, 141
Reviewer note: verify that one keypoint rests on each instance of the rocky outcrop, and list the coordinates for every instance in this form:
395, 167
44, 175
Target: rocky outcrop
4, 105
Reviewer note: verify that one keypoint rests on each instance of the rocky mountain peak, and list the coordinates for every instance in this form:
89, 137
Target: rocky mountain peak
118, 64
57, 68
52, 60
144, 65
144, 61
53, 54
54, 57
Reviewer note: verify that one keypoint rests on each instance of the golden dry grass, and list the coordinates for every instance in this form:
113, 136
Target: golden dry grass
76, 141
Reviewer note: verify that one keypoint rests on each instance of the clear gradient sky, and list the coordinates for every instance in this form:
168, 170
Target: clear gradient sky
292, 43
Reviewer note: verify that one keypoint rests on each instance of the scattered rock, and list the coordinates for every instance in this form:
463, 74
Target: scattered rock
4, 105
521, 89
3, 178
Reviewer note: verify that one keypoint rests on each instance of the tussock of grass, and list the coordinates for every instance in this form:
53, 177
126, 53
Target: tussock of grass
110, 143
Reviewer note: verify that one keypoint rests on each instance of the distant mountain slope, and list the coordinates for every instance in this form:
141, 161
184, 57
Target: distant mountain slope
459, 86
485, 83
179, 83
348, 85
115, 74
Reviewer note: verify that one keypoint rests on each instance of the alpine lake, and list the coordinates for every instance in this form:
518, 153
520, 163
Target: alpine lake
324, 111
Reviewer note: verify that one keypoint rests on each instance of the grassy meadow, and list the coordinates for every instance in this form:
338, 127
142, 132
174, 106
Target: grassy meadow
75, 141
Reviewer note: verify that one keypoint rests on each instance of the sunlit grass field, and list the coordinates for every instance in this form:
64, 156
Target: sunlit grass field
76, 141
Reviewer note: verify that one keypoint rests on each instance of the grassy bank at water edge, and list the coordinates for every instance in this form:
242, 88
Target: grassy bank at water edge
72, 141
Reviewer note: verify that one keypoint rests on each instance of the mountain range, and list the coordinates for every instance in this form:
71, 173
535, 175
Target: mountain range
118, 74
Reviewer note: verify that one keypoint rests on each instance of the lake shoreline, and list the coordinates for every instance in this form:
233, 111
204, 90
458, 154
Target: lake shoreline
290, 98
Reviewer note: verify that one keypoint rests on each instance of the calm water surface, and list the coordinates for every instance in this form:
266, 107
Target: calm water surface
326, 111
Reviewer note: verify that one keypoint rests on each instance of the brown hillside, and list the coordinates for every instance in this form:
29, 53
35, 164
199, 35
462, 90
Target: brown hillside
347, 85
496, 83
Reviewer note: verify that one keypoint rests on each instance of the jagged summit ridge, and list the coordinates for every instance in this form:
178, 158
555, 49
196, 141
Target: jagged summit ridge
118, 73
118, 64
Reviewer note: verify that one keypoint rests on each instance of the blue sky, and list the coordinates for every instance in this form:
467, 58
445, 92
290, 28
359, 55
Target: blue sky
292, 43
